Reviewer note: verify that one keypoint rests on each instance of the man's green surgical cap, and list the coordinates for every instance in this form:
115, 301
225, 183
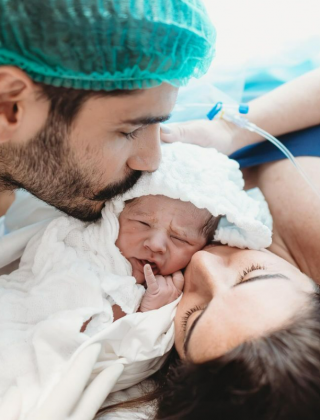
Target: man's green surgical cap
106, 44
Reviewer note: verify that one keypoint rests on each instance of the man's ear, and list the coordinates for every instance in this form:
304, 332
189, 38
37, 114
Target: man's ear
16, 88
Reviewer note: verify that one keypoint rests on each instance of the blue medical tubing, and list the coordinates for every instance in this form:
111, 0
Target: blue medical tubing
219, 106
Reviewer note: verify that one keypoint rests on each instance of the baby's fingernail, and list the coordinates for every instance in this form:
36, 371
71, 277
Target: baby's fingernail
165, 129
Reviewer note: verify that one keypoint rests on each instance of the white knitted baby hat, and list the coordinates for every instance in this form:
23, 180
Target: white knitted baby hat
209, 179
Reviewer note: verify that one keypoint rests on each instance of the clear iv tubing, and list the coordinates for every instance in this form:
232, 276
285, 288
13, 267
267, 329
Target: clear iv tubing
244, 123
224, 112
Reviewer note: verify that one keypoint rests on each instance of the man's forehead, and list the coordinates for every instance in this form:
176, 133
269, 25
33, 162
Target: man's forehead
149, 106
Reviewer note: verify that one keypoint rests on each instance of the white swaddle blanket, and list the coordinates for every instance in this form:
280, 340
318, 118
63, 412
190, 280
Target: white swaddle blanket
73, 272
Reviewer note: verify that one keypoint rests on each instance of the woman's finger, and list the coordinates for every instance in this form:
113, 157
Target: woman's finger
205, 133
151, 280
178, 280
197, 132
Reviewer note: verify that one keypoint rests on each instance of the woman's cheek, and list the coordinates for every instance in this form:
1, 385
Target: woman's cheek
179, 335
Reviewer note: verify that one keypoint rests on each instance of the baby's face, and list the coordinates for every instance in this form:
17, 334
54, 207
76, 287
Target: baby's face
162, 232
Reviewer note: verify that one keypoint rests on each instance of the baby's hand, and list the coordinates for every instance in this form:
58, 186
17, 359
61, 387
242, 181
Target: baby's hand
161, 290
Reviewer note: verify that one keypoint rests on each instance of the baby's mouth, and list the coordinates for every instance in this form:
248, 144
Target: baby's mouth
153, 265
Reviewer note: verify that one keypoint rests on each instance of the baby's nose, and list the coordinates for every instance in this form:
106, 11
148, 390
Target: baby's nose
156, 242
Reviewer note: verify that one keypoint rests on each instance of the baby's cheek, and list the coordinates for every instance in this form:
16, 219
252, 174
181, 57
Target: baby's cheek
181, 259
123, 243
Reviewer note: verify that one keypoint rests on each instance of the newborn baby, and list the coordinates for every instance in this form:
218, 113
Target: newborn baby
158, 236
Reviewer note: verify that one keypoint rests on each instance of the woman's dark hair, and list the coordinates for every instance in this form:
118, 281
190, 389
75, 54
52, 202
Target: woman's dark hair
274, 377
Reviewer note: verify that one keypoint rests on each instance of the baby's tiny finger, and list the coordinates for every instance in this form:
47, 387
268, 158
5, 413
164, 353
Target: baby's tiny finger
178, 280
168, 280
151, 280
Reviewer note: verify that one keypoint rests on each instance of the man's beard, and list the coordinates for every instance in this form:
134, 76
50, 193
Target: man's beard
46, 167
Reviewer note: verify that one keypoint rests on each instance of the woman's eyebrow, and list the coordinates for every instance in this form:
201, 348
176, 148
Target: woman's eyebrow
263, 277
189, 333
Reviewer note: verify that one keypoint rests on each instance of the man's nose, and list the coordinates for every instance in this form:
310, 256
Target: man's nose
156, 242
146, 153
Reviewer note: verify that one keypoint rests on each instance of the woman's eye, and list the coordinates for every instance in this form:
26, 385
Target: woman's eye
187, 315
248, 270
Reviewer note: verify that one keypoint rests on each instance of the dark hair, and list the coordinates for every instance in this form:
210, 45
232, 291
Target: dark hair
210, 228
67, 102
275, 377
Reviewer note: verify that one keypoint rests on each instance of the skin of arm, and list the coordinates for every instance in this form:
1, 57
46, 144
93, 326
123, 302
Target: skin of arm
295, 209
291, 107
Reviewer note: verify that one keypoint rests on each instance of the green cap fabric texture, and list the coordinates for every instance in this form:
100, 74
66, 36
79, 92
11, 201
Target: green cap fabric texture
107, 44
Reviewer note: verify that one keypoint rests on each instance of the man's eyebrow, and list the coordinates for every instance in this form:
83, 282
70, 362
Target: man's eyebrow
147, 120
189, 333
263, 277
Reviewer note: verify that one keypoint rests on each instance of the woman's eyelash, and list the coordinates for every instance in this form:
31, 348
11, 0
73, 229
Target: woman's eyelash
248, 270
187, 316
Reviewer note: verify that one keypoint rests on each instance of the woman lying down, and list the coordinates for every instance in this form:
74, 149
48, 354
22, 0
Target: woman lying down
118, 281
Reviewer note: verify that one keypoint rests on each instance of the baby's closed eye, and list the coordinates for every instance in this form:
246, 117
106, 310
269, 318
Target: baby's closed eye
143, 223
176, 238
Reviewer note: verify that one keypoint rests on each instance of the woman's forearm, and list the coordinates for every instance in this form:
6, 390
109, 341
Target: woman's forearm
291, 107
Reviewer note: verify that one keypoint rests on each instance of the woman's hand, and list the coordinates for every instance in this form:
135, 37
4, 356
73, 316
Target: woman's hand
220, 134
161, 290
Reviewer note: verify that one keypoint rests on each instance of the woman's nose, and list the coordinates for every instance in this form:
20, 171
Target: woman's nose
156, 242
146, 153
210, 270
